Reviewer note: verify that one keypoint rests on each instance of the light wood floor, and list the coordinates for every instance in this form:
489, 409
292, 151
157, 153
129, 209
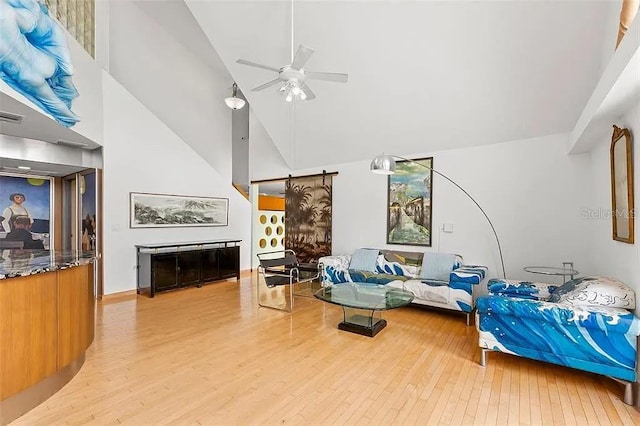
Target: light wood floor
211, 356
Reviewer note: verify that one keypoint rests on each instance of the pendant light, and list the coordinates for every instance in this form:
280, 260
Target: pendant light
234, 102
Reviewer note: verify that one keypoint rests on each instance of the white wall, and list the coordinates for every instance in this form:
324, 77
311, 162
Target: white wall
531, 190
610, 257
265, 161
87, 78
141, 154
171, 77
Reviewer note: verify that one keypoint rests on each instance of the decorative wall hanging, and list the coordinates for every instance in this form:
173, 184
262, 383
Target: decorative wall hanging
622, 185
163, 211
409, 203
36, 62
308, 208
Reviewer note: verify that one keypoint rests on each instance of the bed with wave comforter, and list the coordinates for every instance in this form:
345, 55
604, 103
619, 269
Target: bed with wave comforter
561, 326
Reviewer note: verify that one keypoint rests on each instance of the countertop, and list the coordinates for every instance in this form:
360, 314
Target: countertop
189, 243
20, 263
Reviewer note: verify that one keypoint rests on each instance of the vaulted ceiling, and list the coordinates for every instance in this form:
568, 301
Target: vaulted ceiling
423, 76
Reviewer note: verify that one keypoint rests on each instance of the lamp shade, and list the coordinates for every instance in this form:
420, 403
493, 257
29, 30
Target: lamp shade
234, 102
383, 165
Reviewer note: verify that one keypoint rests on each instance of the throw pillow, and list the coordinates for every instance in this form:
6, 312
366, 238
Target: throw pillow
437, 266
364, 260
595, 291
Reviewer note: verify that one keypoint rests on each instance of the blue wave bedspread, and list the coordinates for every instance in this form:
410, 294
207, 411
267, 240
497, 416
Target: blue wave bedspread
596, 339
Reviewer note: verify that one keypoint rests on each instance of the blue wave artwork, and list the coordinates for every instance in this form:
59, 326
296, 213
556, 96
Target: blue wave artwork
35, 58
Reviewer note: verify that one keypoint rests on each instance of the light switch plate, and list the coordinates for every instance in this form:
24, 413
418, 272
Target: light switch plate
447, 227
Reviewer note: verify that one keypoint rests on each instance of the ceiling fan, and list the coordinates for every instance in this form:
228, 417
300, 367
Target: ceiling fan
292, 77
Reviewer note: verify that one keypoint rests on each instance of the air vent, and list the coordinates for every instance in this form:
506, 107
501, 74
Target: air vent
10, 118
72, 144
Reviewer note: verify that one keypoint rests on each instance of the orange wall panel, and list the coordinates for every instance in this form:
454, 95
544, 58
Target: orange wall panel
266, 202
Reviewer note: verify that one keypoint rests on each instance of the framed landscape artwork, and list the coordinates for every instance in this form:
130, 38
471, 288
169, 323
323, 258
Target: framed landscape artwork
409, 203
160, 210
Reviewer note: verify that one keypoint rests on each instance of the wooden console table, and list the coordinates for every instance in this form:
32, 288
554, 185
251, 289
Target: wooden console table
169, 266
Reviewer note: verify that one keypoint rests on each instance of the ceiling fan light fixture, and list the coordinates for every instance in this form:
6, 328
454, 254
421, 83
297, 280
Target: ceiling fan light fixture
292, 78
234, 102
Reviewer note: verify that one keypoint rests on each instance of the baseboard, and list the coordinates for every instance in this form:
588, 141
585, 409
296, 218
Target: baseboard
132, 294
119, 297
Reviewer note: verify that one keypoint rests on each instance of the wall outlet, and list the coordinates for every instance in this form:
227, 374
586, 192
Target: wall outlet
447, 227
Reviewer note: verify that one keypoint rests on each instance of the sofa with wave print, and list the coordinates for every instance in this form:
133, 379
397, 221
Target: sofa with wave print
585, 324
436, 279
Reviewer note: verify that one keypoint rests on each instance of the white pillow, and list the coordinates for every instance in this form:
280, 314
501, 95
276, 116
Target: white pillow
364, 259
437, 266
600, 291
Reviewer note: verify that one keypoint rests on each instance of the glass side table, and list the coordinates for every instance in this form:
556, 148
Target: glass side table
567, 270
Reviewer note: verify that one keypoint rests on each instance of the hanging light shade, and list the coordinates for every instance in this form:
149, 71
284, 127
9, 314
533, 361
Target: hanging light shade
234, 102
383, 165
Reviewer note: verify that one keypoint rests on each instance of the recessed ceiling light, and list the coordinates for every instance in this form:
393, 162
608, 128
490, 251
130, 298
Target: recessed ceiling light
24, 167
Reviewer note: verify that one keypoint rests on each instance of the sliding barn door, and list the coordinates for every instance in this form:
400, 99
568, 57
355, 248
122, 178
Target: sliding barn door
308, 204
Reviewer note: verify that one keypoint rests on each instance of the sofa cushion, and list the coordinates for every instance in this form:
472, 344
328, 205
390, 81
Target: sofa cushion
595, 291
358, 276
364, 259
522, 289
431, 291
437, 266
399, 263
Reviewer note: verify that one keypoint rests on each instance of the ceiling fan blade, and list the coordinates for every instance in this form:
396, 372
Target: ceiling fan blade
307, 91
253, 64
264, 86
327, 76
302, 56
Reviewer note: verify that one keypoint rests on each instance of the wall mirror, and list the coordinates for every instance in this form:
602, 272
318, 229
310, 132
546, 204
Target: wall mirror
622, 185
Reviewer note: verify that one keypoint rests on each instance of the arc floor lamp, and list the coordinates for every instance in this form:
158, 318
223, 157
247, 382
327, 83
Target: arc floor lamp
386, 165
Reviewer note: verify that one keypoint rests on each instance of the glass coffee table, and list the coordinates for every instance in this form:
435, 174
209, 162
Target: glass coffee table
362, 304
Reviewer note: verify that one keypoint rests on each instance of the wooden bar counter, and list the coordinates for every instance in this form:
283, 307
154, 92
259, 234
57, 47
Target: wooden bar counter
47, 317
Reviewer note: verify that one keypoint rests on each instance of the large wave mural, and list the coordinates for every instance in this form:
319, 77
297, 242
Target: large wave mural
35, 58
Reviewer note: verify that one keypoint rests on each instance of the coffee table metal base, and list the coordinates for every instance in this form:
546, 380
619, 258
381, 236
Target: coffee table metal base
364, 330
355, 321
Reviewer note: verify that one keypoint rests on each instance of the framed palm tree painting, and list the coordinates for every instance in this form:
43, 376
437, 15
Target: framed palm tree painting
409, 203
163, 211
